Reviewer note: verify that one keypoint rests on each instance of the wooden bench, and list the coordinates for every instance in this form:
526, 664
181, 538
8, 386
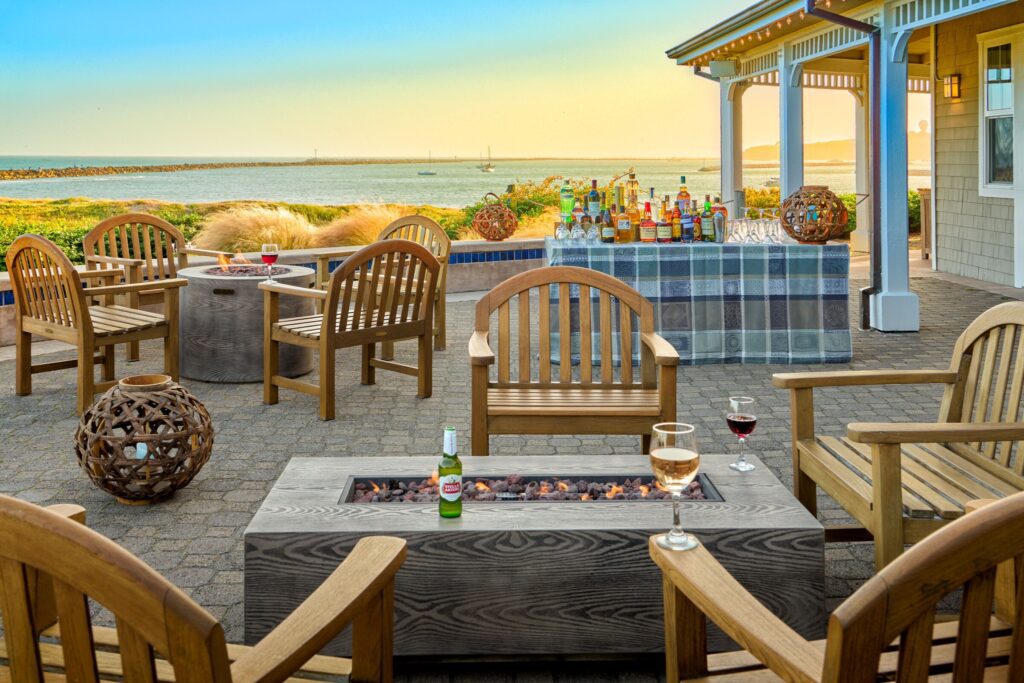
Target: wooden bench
588, 399
52, 566
902, 482
887, 630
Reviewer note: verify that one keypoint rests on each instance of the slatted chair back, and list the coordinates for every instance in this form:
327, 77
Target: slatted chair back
46, 286
989, 360
157, 243
424, 231
581, 314
900, 602
37, 546
387, 283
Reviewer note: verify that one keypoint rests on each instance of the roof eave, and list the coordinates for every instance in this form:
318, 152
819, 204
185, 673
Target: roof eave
758, 16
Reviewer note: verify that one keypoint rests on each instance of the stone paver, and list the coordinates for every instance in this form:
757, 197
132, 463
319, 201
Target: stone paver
195, 539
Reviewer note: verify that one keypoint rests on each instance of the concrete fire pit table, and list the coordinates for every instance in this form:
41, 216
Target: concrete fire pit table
529, 578
222, 322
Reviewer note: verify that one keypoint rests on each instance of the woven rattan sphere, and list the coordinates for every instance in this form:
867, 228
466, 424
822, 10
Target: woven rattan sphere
495, 221
151, 410
814, 215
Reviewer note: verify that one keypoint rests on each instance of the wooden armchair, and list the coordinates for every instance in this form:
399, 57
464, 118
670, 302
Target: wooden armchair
51, 565
147, 248
587, 401
901, 482
365, 304
886, 630
50, 302
423, 231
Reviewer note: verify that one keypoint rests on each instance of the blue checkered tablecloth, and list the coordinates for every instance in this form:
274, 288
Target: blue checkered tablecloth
733, 303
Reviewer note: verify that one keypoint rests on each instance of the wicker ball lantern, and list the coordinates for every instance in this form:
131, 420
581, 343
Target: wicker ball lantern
814, 215
144, 439
495, 221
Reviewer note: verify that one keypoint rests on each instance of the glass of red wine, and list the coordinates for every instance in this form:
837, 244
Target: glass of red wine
269, 256
742, 420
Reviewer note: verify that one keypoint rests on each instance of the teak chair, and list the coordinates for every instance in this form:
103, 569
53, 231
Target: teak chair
51, 565
886, 630
589, 401
365, 304
418, 229
50, 302
902, 482
147, 248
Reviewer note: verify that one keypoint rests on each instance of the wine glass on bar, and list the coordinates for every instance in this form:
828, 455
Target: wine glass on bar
269, 256
675, 462
741, 420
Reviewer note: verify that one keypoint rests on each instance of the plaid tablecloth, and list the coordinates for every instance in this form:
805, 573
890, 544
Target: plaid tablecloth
733, 303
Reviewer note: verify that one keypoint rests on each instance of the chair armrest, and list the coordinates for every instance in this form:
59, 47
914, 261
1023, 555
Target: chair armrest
854, 378
934, 432
664, 353
279, 288
115, 260
366, 572
73, 512
480, 350
137, 287
101, 274
710, 587
192, 251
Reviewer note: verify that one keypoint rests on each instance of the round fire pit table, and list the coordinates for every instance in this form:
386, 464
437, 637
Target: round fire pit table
222, 322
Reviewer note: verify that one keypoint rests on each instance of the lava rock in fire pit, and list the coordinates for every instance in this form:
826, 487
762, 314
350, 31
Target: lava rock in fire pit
245, 270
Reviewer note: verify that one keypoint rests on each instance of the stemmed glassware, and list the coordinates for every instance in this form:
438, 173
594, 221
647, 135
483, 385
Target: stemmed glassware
269, 255
742, 421
675, 462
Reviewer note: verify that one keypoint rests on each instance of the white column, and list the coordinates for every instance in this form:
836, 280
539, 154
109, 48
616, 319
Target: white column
894, 308
732, 145
860, 239
791, 123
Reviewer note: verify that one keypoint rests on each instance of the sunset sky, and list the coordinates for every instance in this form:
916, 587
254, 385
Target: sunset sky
529, 78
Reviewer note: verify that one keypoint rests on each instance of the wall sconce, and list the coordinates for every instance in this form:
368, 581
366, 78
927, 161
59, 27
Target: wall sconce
951, 86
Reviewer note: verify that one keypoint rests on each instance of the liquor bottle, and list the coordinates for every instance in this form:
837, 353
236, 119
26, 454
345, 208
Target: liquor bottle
686, 225
719, 207
677, 223
707, 221
577, 213
623, 226
633, 207
566, 200
608, 229
632, 189
449, 477
593, 201
648, 228
698, 235
683, 198
664, 224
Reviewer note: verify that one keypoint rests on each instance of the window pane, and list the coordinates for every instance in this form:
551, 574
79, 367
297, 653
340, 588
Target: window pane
999, 78
1000, 149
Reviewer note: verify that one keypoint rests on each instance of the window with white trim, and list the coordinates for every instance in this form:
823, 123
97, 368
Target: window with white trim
998, 126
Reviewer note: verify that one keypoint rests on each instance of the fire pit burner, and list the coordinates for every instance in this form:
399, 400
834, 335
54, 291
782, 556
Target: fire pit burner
245, 270
524, 488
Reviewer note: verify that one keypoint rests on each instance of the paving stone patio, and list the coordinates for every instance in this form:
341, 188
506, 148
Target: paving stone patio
195, 539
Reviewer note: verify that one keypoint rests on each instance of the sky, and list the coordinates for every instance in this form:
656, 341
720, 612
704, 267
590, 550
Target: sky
575, 78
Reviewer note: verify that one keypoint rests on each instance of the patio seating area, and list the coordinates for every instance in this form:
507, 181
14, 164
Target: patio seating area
195, 538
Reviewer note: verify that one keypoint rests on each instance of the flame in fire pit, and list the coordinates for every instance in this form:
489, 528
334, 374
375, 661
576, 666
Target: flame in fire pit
480, 486
225, 262
613, 491
585, 496
433, 478
562, 486
644, 490
376, 488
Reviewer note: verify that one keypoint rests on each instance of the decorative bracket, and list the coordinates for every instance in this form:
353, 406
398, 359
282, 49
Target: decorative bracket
900, 45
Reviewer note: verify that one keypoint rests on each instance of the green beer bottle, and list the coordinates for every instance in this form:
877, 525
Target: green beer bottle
449, 474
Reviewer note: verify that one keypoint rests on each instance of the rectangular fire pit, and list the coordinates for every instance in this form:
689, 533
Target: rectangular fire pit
538, 577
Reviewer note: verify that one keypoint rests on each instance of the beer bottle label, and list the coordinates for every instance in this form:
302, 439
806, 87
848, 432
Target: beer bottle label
450, 487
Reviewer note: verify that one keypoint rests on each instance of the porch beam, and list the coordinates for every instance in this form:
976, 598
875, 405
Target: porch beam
860, 239
791, 123
732, 145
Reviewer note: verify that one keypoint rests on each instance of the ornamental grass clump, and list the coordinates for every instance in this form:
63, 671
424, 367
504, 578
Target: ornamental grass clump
359, 226
247, 228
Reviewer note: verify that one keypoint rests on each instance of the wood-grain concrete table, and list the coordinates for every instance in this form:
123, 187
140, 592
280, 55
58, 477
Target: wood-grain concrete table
529, 578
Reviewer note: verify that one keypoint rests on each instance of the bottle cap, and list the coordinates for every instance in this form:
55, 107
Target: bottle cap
682, 180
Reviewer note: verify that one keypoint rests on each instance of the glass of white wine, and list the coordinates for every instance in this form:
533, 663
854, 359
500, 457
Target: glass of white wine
675, 462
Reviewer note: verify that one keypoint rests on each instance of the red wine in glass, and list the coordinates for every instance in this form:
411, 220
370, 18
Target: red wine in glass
269, 256
740, 424
269, 259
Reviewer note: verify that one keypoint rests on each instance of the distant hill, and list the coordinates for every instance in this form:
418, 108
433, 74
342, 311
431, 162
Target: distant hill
918, 148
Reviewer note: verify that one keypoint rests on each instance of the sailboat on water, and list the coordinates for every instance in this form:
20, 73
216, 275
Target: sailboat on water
488, 167
430, 166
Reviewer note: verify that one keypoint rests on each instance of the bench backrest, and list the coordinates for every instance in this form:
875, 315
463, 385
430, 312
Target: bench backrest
390, 282
589, 319
138, 236
46, 285
989, 360
901, 600
39, 547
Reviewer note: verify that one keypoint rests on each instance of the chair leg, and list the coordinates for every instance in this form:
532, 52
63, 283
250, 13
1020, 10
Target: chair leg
23, 353
426, 365
271, 363
387, 350
369, 372
86, 376
645, 444
326, 383
440, 337
132, 354
887, 505
108, 362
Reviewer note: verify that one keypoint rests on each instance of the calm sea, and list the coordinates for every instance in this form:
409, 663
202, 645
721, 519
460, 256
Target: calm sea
455, 185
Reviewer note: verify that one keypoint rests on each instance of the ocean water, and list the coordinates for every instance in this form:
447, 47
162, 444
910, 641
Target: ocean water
455, 185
